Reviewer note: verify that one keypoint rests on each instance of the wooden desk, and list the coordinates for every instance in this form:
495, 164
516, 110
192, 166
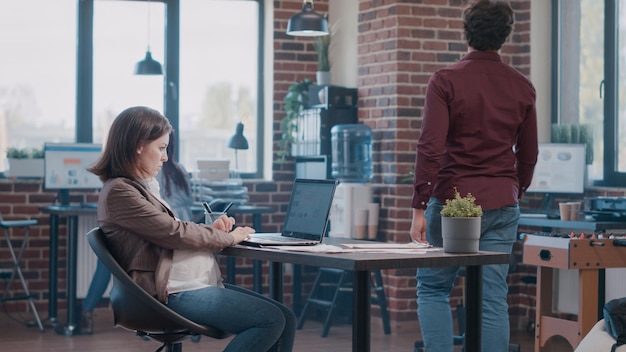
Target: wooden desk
361, 264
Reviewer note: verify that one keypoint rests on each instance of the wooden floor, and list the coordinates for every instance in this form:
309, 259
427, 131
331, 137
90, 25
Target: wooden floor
15, 335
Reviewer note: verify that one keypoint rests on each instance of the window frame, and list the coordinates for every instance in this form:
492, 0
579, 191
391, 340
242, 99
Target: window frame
84, 75
609, 89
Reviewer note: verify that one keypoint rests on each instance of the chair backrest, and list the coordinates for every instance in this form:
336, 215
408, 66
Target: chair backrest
134, 308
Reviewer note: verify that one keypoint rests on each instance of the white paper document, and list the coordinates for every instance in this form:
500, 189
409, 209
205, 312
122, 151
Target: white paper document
374, 247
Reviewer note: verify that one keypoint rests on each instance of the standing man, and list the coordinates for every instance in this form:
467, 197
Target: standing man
479, 135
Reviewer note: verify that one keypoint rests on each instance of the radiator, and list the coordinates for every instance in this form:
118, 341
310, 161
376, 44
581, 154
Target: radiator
566, 285
86, 259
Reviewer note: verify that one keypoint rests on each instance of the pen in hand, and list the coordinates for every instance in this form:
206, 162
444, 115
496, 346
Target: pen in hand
227, 207
207, 207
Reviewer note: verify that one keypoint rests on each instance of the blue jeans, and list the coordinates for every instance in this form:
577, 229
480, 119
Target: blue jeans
259, 323
98, 285
498, 233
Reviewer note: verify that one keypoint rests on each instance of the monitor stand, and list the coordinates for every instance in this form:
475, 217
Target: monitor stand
547, 204
64, 197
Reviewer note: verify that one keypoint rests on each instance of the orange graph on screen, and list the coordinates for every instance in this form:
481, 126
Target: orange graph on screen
71, 161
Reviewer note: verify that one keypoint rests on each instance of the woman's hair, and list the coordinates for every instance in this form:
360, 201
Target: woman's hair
173, 172
487, 24
131, 129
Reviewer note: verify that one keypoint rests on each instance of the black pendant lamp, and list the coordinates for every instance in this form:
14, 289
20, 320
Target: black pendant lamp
148, 66
307, 23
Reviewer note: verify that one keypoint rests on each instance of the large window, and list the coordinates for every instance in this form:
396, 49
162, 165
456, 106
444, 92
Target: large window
210, 51
37, 73
590, 58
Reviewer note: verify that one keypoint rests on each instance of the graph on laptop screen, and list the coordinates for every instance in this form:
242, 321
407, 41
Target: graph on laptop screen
65, 168
561, 168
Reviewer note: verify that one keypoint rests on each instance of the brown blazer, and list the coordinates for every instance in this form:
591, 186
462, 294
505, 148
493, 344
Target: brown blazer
142, 233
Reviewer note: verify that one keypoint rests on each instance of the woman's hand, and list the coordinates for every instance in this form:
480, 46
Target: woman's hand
224, 223
241, 234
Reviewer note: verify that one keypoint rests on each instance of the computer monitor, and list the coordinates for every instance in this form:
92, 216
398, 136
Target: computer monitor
65, 168
560, 169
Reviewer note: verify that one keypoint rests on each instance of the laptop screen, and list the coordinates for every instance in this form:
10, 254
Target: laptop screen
309, 207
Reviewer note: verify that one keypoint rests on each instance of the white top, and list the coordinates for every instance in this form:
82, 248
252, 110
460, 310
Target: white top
191, 269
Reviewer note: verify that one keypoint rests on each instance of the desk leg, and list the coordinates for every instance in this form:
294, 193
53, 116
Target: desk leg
53, 268
361, 311
257, 265
230, 270
474, 293
71, 328
276, 281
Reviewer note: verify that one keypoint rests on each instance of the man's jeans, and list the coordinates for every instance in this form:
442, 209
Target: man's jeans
498, 233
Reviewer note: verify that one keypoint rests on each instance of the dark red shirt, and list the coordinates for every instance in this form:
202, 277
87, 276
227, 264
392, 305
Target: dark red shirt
479, 133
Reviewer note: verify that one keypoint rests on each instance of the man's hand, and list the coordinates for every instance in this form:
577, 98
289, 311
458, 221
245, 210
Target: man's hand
418, 226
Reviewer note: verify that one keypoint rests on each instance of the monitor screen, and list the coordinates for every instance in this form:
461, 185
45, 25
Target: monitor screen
65, 166
560, 168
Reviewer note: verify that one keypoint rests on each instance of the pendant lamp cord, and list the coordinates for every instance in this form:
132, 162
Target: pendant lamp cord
148, 25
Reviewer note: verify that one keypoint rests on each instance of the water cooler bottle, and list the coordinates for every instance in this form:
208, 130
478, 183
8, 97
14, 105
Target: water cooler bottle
352, 166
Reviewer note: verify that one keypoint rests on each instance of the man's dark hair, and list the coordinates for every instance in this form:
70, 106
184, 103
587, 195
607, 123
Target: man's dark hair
487, 24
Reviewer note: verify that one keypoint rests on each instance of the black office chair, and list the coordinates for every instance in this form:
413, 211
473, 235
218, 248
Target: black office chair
136, 310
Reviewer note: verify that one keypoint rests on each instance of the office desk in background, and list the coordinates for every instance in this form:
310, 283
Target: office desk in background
533, 220
72, 212
361, 264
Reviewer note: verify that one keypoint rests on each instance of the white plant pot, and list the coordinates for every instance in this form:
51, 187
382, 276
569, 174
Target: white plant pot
322, 78
25, 168
460, 235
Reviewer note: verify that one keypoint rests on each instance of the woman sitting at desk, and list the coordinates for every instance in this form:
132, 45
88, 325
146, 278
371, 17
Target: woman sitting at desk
173, 259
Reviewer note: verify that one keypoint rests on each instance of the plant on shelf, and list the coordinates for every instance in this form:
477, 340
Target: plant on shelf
322, 43
295, 100
322, 47
461, 207
25, 162
24, 153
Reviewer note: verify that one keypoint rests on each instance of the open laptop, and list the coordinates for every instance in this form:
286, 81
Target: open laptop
307, 216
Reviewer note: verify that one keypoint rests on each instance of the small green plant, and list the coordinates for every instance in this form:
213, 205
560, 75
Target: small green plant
295, 100
24, 153
322, 43
461, 207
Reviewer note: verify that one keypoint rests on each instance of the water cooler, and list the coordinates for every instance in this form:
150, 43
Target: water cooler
352, 213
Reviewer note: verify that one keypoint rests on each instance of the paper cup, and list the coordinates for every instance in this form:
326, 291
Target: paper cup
360, 224
372, 220
565, 210
574, 210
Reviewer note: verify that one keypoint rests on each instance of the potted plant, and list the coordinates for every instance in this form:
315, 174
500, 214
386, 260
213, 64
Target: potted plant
322, 44
460, 224
295, 100
25, 162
